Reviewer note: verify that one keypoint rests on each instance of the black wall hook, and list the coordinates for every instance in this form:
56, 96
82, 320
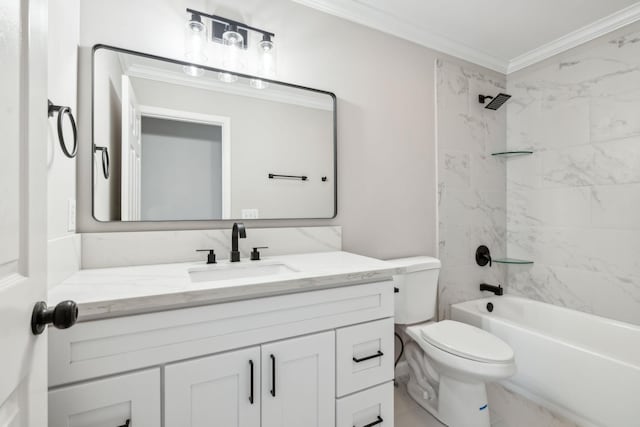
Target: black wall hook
105, 159
62, 112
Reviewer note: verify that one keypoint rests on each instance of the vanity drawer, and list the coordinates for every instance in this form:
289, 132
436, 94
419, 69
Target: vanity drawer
364, 356
367, 407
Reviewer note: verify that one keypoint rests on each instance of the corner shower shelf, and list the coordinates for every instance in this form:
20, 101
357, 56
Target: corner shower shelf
512, 153
512, 261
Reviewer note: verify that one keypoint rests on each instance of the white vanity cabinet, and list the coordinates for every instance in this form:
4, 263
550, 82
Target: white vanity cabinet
298, 382
282, 361
111, 402
223, 390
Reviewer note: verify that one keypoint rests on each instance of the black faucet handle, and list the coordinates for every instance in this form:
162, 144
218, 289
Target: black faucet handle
255, 254
483, 256
211, 257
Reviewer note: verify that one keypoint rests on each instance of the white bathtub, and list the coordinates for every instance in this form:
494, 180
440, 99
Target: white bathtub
583, 366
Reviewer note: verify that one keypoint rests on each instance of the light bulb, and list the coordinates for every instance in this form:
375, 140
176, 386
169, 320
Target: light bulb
231, 36
195, 24
265, 44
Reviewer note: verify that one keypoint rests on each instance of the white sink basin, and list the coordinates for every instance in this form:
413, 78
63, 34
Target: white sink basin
237, 271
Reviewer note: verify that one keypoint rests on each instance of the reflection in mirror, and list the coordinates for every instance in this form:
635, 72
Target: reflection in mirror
188, 146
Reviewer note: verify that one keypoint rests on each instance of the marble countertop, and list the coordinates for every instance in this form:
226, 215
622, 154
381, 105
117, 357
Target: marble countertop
112, 292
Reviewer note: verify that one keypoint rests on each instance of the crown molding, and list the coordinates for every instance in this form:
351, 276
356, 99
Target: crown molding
382, 21
587, 33
369, 16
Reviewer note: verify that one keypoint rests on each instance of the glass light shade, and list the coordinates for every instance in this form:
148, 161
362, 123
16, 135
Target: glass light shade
195, 41
266, 66
231, 37
258, 84
196, 26
265, 45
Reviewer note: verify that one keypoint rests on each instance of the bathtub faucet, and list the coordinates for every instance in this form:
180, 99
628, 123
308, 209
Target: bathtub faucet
498, 290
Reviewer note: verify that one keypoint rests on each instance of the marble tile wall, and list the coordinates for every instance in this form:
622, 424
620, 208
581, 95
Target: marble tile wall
471, 182
103, 250
573, 206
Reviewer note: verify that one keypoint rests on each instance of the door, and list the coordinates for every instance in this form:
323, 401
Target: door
220, 390
23, 207
126, 400
131, 153
298, 382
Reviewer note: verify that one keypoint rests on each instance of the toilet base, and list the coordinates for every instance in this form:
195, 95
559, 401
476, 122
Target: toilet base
459, 404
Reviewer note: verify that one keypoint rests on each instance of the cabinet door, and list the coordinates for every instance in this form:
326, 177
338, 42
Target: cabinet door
221, 390
112, 402
298, 382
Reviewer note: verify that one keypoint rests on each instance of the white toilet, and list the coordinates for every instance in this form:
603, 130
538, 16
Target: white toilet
447, 362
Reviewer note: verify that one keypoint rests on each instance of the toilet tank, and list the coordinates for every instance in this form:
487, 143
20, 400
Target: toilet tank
417, 286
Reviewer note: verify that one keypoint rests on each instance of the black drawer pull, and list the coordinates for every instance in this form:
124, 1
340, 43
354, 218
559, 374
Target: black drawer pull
126, 424
251, 385
373, 356
375, 423
273, 375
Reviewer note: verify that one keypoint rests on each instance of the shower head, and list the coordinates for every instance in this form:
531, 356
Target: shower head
496, 102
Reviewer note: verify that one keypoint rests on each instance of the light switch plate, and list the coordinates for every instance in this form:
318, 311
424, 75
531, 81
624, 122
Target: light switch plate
71, 215
249, 213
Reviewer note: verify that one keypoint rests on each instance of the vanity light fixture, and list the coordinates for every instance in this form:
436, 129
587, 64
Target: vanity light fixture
235, 36
195, 40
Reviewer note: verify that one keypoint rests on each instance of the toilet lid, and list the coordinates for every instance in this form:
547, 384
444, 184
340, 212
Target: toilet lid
467, 341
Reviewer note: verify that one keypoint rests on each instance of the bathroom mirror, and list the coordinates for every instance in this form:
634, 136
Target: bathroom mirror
174, 141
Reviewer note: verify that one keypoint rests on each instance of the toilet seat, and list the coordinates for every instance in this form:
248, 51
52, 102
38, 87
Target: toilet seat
466, 341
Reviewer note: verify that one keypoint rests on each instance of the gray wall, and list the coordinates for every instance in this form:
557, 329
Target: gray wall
385, 90
181, 170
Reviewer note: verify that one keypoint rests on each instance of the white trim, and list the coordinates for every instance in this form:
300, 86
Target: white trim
382, 21
587, 33
208, 119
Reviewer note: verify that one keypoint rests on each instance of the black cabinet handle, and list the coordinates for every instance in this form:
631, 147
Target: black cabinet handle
375, 423
126, 424
273, 375
62, 316
373, 356
251, 385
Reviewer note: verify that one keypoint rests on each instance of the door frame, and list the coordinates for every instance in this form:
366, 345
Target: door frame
207, 119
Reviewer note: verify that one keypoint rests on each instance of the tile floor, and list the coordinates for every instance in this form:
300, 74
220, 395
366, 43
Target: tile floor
408, 413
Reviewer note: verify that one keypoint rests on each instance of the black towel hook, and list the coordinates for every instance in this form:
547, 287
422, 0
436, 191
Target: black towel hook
64, 111
105, 159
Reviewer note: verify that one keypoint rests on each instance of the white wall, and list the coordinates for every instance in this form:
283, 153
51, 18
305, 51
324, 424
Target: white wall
385, 90
63, 245
573, 206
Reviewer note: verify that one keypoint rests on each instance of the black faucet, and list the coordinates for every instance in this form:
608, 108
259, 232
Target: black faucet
237, 231
498, 290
